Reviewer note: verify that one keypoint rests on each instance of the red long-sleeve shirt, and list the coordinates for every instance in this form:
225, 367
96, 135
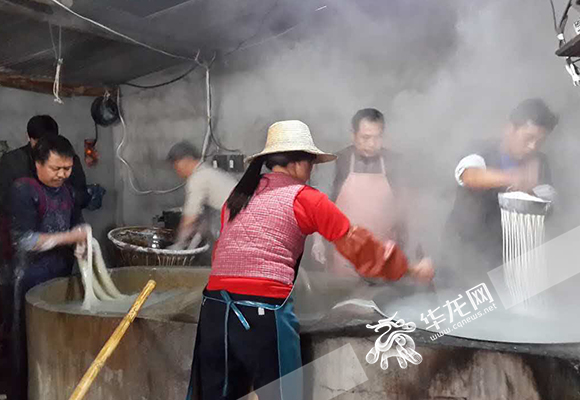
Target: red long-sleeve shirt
314, 212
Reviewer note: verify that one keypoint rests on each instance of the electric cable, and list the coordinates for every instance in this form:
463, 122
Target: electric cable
209, 134
559, 27
571, 67
554, 15
180, 77
564, 18
130, 172
130, 39
240, 47
250, 45
210, 125
266, 15
52, 41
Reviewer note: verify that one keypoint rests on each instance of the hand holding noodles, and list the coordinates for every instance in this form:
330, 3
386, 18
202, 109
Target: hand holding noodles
97, 282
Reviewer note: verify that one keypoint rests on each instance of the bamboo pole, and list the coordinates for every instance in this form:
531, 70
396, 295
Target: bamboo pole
111, 344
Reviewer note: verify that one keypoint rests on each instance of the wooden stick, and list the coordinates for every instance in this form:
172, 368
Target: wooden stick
111, 344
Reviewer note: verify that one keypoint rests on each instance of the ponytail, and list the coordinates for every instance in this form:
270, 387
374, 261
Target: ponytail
244, 190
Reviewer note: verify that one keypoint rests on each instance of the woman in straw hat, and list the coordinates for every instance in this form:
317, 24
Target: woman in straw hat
265, 222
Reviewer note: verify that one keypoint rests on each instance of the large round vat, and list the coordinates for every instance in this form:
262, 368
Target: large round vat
146, 246
516, 353
151, 362
153, 359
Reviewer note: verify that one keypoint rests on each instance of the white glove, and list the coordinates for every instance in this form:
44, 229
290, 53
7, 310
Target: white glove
319, 250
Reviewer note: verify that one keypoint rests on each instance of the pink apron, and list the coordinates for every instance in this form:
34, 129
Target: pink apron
367, 200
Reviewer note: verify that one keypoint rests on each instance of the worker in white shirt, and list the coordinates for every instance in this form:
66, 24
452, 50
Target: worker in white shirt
205, 186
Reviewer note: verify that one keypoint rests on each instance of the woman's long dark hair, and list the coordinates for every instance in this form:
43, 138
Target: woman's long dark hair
245, 189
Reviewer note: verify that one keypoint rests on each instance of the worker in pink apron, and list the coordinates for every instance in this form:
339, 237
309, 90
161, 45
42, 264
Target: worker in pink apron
365, 188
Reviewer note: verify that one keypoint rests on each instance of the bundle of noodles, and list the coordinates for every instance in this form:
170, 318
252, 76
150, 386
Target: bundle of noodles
525, 269
97, 282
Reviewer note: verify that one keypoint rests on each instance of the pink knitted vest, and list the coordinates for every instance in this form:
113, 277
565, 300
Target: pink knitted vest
264, 240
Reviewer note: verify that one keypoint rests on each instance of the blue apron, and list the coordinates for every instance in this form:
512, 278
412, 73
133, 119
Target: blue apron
289, 358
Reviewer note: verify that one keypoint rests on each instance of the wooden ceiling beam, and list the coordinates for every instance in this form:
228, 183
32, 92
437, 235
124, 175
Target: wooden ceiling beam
44, 85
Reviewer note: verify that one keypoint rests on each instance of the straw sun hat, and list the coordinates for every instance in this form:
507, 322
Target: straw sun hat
286, 136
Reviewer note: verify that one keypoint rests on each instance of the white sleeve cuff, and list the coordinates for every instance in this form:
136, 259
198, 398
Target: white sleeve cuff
470, 161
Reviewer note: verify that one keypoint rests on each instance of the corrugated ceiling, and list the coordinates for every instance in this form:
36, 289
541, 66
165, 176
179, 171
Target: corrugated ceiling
93, 57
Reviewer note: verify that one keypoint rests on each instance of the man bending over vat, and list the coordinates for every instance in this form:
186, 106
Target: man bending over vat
514, 163
205, 186
44, 225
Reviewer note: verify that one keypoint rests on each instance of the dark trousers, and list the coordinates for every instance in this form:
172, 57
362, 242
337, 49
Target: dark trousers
26, 276
6, 311
258, 355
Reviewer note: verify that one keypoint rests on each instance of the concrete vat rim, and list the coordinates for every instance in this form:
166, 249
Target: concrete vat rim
34, 296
